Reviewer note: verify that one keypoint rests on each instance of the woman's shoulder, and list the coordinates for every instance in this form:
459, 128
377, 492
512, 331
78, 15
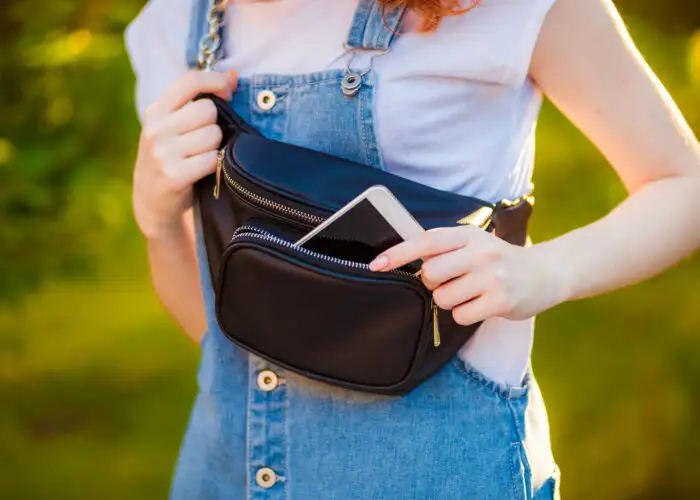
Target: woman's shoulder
498, 36
156, 42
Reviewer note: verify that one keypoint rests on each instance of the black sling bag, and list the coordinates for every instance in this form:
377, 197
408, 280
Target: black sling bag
318, 310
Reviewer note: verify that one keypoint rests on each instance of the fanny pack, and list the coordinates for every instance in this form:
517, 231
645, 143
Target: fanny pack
318, 310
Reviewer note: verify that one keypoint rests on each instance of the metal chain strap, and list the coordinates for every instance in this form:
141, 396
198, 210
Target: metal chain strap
211, 42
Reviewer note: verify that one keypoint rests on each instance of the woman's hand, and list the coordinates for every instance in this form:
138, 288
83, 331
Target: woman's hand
178, 146
477, 275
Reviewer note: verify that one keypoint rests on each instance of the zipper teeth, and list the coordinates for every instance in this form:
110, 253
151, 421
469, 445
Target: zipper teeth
272, 205
266, 236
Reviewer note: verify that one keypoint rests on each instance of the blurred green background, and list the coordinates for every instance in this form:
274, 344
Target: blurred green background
95, 380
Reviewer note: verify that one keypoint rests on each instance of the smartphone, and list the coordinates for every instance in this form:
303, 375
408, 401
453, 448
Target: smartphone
376, 218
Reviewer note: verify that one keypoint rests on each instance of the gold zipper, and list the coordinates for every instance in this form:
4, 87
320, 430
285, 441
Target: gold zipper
219, 168
436, 327
252, 231
259, 200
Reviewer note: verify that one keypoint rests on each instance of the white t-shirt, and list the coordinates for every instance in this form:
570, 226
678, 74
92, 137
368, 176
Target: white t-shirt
455, 109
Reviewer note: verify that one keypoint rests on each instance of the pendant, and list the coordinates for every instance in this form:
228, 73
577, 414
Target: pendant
351, 84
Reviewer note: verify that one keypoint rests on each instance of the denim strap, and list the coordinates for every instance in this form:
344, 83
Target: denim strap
372, 28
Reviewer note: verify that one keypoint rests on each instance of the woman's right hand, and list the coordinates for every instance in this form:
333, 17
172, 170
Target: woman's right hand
178, 146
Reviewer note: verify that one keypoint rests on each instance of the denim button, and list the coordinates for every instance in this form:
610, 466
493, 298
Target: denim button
266, 100
351, 84
268, 380
265, 477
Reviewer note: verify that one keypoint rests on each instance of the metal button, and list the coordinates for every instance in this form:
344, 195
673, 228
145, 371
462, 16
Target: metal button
268, 380
266, 100
265, 477
351, 84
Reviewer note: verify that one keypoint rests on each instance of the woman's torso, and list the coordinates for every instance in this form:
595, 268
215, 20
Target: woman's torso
436, 110
454, 110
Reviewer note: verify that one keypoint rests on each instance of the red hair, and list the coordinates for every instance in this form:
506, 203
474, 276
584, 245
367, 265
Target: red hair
432, 11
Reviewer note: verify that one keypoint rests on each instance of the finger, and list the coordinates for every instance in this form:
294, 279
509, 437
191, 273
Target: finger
201, 165
444, 267
459, 291
425, 245
474, 311
191, 116
189, 170
191, 85
198, 141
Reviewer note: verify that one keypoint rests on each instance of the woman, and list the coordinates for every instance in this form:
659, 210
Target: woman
449, 98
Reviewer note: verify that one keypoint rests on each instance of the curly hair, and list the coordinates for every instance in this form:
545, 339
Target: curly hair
432, 11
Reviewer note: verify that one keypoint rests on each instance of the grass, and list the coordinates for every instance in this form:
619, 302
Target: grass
96, 385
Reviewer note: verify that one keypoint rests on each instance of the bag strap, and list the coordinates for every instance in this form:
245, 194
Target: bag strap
511, 218
210, 46
210, 52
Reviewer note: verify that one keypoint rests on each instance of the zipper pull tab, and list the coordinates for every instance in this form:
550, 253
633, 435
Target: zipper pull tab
436, 327
219, 168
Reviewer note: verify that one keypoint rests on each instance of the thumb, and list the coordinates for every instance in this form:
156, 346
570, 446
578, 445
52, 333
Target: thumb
229, 84
232, 78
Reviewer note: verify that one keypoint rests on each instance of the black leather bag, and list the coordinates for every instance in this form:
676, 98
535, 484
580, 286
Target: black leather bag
318, 310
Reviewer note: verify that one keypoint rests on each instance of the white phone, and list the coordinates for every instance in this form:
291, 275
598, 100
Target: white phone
375, 217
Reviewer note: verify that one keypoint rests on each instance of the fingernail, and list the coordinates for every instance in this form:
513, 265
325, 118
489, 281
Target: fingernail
232, 77
379, 263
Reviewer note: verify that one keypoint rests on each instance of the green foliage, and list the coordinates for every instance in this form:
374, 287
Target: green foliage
680, 16
66, 138
619, 372
95, 381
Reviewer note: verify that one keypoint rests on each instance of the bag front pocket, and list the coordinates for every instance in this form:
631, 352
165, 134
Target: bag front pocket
324, 317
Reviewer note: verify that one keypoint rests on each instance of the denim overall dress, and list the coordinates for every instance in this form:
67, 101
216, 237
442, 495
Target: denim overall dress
259, 432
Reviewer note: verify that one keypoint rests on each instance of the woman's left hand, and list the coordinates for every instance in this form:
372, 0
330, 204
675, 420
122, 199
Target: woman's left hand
477, 275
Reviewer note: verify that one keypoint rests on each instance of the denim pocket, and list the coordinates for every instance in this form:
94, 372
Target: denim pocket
521, 475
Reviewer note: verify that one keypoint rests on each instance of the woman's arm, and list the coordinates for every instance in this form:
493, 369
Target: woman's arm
588, 66
586, 63
173, 262
178, 146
